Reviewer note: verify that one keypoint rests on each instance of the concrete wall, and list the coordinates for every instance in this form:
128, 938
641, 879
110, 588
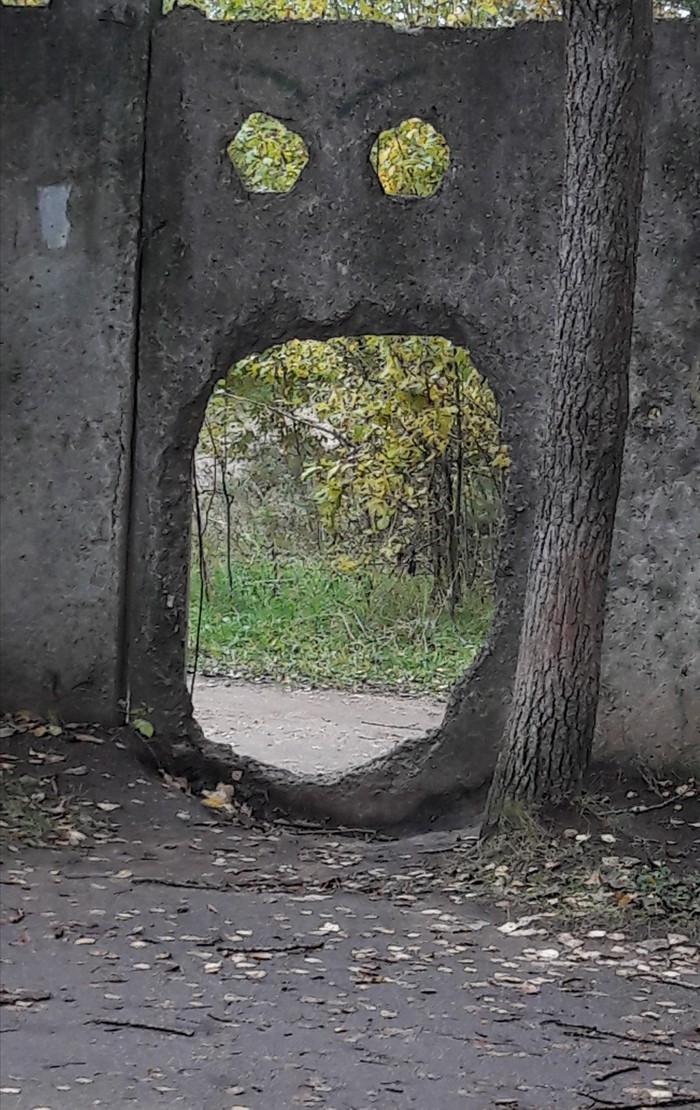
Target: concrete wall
651, 681
73, 106
226, 272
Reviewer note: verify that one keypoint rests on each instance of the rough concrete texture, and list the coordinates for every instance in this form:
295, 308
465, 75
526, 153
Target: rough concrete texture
73, 88
226, 272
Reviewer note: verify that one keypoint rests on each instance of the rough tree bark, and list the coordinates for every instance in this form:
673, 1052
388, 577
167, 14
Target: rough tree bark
548, 739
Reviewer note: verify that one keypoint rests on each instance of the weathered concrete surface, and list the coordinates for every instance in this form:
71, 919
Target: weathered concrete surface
226, 272
651, 677
73, 88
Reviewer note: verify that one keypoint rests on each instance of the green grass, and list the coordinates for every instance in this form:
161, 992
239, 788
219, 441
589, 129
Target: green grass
306, 622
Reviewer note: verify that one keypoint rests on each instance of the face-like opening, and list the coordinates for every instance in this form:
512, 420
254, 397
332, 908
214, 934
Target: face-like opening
347, 499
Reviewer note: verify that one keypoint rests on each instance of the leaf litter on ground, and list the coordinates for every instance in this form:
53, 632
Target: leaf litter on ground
593, 871
35, 811
451, 893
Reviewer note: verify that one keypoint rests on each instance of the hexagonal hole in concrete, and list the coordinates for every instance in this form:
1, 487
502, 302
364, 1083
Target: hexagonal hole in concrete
411, 159
266, 155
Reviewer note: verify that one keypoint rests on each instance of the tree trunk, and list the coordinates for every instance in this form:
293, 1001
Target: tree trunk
548, 739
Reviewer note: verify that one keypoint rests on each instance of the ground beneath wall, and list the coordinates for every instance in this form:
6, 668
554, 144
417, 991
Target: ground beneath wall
309, 731
163, 957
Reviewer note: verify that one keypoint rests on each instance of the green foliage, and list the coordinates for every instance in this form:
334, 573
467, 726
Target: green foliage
406, 13
397, 442
410, 160
304, 621
266, 155
144, 727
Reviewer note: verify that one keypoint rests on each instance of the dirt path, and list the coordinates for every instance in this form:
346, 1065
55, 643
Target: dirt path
309, 731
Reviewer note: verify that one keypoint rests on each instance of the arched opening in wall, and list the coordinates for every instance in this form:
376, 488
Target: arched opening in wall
347, 506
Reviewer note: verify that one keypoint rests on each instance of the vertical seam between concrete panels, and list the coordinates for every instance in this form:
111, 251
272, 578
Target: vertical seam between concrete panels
124, 631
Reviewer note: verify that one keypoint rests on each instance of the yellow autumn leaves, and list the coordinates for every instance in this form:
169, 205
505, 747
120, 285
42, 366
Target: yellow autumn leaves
266, 155
394, 437
410, 160
402, 13
407, 13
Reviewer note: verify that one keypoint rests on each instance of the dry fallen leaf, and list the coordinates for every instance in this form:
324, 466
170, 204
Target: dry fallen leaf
528, 988
219, 798
622, 899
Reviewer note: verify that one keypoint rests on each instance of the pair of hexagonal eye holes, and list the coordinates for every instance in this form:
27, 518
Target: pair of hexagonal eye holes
410, 160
